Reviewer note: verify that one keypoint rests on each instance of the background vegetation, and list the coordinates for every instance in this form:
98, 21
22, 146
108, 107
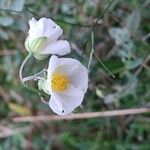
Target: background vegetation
118, 60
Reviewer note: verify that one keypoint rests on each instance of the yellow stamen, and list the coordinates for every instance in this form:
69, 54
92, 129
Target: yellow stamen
59, 82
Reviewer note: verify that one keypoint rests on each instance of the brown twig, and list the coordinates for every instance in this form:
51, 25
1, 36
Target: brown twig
86, 115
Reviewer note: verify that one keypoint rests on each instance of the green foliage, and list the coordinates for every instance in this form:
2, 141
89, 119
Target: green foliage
14, 5
119, 73
6, 21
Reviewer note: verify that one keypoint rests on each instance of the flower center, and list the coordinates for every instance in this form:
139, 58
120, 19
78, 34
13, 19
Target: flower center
59, 82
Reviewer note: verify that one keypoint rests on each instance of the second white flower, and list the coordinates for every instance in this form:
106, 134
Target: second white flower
43, 39
67, 82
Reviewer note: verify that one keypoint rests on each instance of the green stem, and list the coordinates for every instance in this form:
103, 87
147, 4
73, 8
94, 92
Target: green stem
91, 56
35, 76
59, 20
99, 60
105, 10
92, 50
22, 66
21, 77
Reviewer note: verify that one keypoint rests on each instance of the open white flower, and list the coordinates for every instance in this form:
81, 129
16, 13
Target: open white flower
43, 39
67, 82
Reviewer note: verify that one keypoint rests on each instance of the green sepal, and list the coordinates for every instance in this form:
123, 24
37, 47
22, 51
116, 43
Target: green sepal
40, 56
42, 85
36, 45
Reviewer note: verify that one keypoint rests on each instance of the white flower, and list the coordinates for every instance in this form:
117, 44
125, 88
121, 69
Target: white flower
43, 39
67, 82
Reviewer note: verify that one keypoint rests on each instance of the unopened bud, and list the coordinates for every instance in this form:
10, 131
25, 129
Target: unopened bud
36, 45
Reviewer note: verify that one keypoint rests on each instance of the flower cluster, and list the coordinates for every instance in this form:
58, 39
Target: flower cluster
66, 79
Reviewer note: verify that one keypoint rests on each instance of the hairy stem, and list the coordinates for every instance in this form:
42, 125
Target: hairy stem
92, 50
22, 67
22, 79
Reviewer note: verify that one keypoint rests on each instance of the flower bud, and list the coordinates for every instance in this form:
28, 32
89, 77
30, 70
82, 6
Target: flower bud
36, 45
42, 85
43, 39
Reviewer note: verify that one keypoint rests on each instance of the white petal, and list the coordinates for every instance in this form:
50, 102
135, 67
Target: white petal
32, 23
50, 29
36, 29
55, 105
48, 22
80, 78
72, 91
44, 27
61, 47
53, 63
76, 72
68, 101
